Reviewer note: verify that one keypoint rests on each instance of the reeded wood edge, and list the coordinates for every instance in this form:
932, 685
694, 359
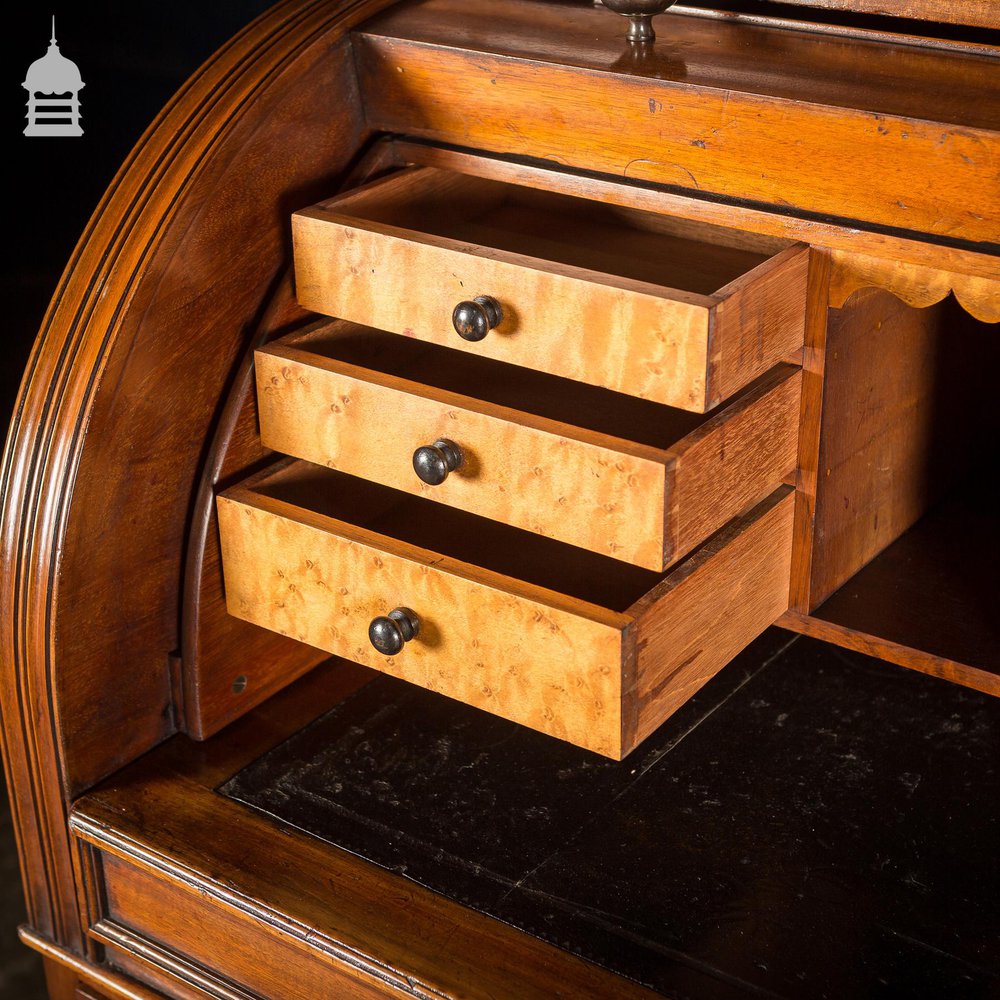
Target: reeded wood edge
113, 983
46, 438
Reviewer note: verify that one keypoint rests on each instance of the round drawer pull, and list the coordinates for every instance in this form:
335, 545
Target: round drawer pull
433, 462
389, 633
640, 14
473, 320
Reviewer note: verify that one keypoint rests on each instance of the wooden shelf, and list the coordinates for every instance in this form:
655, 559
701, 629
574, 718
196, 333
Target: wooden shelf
930, 600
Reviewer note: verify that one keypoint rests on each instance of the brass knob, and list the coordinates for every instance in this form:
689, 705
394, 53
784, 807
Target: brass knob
640, 14
473, 320
433, 462
390, 633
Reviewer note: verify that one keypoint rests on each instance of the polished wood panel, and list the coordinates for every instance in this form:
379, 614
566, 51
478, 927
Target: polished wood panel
326, 904
702, 113
919, 272
106, 438
902, 421
517, 647
639, 503
665, 316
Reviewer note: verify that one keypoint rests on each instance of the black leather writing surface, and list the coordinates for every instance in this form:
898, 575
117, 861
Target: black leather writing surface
814, 823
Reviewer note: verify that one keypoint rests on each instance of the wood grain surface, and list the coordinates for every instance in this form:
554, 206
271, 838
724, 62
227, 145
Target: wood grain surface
107, 433
716, 603
549, 660
918, 271
536, 657
641, 504
746, 112
688, 340
810, 427
603, 493
902, 423
740, 456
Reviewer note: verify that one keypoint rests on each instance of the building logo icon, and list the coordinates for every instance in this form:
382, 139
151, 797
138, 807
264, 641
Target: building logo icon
53, 83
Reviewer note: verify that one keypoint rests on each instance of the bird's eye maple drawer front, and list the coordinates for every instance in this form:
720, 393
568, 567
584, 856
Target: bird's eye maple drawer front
669, 310
639, 481
585, 648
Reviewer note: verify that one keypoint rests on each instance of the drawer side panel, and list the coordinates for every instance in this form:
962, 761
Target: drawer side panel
736, 460
760, 321
710, 609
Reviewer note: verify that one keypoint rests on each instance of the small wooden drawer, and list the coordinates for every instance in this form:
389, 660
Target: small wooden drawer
677, 312
582, 647
625, 477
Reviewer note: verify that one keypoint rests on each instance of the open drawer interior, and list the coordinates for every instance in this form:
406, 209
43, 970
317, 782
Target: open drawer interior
586, 649
607, 239
681, 312
624, 477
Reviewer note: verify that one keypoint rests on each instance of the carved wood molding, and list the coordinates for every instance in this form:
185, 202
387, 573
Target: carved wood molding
915, 284
90, 514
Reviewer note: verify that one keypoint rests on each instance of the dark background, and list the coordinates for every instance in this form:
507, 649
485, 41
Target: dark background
132, 57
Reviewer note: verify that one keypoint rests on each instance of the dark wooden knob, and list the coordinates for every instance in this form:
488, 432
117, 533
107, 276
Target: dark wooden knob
433, 462
390, 633
473, 320
640, 14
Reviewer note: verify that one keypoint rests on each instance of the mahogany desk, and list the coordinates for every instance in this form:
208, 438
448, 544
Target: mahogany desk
186, 825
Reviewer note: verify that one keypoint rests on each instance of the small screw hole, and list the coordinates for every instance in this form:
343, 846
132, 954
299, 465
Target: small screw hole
240, 684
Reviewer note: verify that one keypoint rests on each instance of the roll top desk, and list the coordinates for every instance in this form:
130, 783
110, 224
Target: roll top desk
458, 396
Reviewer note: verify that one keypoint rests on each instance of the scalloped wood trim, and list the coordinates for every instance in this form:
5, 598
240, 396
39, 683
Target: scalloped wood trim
913, 283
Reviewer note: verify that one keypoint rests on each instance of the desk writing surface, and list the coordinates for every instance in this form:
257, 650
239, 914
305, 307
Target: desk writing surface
814, 823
